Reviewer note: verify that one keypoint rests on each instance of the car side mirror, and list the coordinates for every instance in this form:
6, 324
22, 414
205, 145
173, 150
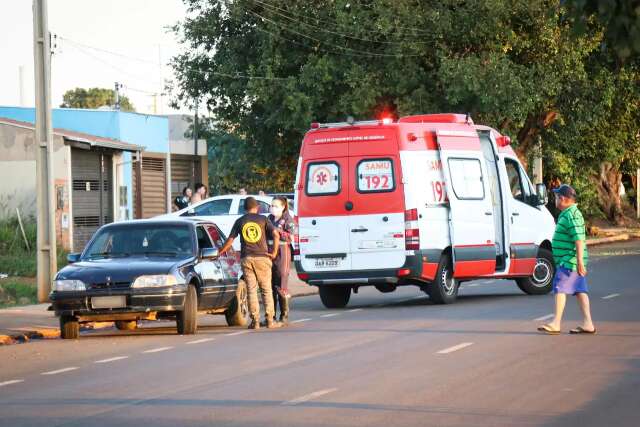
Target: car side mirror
209, 253
541, 192
74, 257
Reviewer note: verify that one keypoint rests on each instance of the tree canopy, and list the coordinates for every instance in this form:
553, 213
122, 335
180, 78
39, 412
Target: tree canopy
94, 97
267, 69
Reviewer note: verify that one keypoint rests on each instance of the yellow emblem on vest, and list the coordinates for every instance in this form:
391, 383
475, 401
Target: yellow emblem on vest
251, 232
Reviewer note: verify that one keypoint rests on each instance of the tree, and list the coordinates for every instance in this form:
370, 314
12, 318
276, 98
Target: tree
267, 69
94, 97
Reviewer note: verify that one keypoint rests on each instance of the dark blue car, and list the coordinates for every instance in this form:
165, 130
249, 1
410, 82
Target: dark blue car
148, 270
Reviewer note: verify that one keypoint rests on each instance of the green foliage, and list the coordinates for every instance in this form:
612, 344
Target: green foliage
15, 259
94, 97
17, 292
267, 69
621, 19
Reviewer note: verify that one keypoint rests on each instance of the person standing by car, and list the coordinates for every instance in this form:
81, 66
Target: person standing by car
256, 260
199, 194
183, 201
283, 222
570, 256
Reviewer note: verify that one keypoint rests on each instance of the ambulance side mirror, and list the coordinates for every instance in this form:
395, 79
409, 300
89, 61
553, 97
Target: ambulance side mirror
541, 192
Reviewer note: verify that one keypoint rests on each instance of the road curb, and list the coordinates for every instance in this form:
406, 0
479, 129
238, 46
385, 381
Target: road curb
611, 239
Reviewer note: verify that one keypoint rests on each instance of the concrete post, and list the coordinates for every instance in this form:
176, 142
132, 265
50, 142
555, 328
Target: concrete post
46, 225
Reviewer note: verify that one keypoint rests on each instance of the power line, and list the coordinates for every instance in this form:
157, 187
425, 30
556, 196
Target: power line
121, 55
285, 14
352, 52
415, 30
120, 70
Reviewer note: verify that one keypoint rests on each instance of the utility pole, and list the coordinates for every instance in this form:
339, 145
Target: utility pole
538, 177
46, 224
21, 91
116, 95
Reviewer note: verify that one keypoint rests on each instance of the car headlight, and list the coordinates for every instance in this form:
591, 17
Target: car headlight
156, 280
69, 285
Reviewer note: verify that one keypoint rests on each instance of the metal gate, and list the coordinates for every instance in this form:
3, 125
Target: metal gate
92, 193
150, 190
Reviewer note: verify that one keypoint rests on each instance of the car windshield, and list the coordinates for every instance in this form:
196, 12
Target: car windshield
166, 240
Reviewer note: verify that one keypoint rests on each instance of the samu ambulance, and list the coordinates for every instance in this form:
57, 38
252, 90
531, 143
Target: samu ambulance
428, 200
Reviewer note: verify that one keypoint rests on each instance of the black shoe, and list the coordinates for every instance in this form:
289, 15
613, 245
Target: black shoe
254, 325
284, 319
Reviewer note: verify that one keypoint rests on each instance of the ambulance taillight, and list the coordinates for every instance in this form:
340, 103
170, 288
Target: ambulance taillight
296, 237
411, 230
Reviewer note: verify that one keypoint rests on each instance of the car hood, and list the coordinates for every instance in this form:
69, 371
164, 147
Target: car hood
118, 270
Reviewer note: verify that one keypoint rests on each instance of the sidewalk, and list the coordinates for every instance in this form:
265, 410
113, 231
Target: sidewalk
22, 324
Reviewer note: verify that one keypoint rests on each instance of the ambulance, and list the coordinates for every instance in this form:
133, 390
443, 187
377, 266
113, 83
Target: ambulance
428, 200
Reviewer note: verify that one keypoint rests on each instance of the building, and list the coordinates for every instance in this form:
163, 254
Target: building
189, 164
108, 165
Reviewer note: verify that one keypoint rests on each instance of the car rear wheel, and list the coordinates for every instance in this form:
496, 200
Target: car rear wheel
187, 319
238, 310
444, 289
126, 325
335, 296
541, 281
69, 328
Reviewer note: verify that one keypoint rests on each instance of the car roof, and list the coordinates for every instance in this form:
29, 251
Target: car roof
266, 199
160, 221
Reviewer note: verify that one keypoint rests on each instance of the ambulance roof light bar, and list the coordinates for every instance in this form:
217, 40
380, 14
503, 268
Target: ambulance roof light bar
351, 122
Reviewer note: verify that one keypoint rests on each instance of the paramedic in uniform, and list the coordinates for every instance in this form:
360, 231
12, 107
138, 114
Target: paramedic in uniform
256, 260
283, 222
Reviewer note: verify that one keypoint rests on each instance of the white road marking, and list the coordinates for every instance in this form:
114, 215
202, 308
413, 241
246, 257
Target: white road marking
2, 384
472, 285
455, 348
300, 320
354, 310
60, 371
112, 359
331, 315
611, 296
419, 297
233, 334
157, 350
545, 317
200, 341
310, 396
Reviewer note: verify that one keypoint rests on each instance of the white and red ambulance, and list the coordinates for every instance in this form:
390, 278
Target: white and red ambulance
428, 200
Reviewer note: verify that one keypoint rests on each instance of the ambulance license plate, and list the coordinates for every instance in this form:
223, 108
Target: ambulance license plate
117, 301
327, 262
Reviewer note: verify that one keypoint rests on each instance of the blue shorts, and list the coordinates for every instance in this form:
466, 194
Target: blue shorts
569, 282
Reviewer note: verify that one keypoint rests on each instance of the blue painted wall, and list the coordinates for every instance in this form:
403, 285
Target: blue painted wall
149, 131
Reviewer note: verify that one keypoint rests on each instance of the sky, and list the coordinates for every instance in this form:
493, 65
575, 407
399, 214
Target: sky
99, 42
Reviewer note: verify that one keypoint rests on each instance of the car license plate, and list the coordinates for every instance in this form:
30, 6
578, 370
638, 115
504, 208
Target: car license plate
327, 262
117, 301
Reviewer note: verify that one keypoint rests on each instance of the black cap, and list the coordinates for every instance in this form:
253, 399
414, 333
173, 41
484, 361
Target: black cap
566, 191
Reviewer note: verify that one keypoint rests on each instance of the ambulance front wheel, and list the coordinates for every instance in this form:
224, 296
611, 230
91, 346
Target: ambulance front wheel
541, 281
444, 288
334, 296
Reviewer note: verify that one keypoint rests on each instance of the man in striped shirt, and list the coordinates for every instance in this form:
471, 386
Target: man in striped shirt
570, 257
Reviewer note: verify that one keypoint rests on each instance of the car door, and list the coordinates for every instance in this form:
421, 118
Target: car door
211, 274
376, 223
471, 223
323, 216
229, 262
523, 215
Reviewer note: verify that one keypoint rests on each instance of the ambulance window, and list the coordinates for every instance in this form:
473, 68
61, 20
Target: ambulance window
323, 179
375, 176
515, 181
466, 178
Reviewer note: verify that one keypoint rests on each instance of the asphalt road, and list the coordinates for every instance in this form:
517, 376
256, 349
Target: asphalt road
386, 360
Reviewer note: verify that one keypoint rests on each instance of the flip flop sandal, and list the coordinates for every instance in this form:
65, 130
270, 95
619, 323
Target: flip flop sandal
547, 329
581, 330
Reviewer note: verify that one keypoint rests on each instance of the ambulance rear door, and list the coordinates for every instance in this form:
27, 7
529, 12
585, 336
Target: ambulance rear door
323, 225
471, 221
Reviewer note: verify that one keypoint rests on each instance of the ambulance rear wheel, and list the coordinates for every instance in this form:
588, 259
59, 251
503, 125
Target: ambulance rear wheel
334, 296
541, 281
444, 289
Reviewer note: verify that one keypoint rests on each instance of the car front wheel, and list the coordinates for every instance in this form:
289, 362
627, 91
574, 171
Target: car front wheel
541, 281
187, 319
69, 328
